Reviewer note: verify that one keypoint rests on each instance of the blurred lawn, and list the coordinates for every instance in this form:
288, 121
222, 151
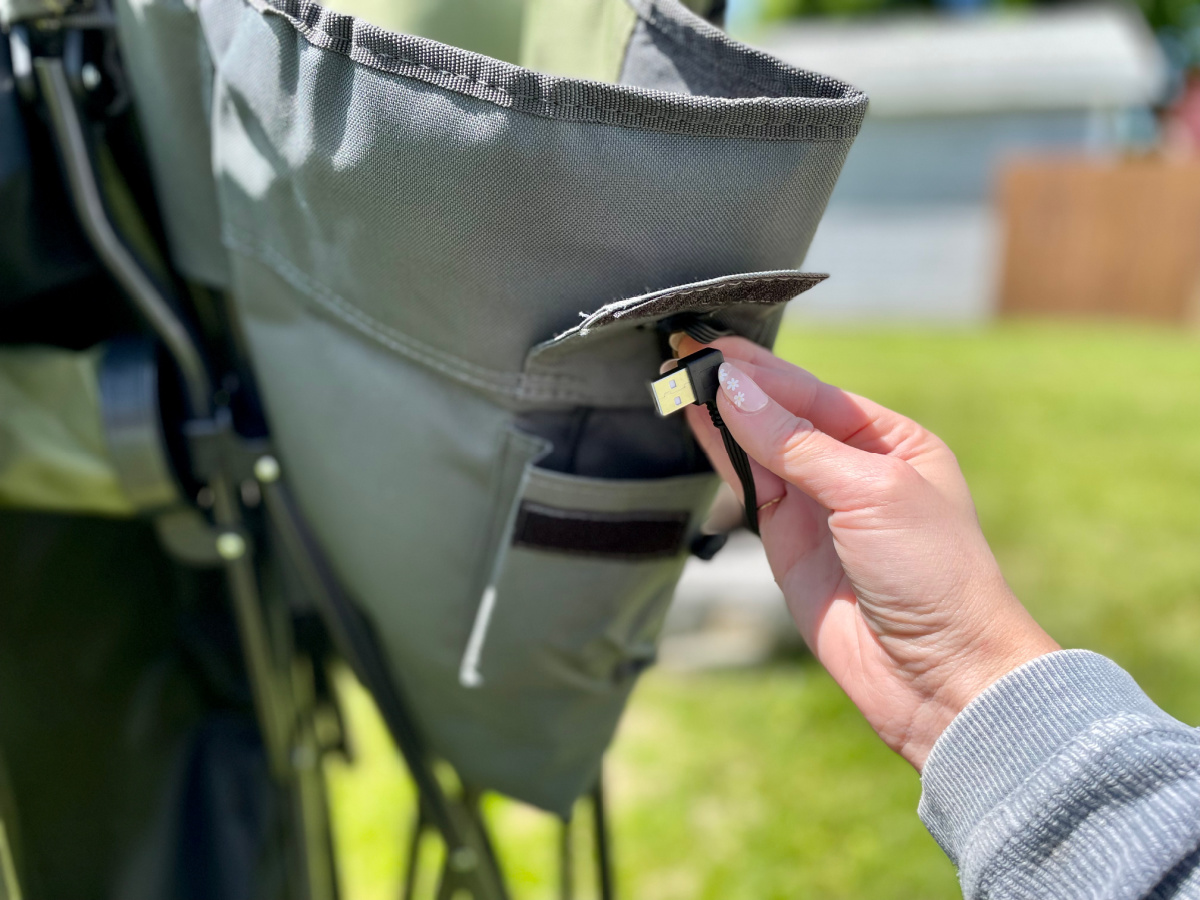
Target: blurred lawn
1082, 446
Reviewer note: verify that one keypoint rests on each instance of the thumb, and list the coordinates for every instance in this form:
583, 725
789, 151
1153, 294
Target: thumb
837, 476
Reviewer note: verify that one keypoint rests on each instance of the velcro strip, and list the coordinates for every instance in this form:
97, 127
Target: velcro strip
625, 535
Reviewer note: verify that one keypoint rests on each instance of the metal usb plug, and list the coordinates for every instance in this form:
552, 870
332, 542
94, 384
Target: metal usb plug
694, 380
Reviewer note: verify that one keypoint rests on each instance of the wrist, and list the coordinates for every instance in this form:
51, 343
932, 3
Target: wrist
979, 663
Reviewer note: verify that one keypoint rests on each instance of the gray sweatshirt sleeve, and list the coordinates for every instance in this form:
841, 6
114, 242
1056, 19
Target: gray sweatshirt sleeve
1063, 780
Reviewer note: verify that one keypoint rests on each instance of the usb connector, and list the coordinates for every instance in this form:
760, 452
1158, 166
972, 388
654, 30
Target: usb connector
694, 380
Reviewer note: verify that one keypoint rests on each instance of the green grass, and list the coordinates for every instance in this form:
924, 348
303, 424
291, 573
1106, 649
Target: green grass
1082, 445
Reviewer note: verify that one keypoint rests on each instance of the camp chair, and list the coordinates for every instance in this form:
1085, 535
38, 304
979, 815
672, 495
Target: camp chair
403, 308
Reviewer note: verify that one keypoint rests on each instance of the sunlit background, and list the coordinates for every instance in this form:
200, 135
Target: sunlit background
1015, 257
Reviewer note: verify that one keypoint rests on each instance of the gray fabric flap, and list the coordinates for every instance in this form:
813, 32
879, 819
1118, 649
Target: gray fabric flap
752, 289
610, 356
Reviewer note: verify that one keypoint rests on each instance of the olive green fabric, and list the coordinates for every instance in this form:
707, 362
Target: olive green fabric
52, 450
12, 11
580, 38
490, 27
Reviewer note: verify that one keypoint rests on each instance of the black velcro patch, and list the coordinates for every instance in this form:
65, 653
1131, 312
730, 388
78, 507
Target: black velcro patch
636, 535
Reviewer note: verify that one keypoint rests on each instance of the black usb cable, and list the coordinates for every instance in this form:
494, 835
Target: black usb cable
695, 380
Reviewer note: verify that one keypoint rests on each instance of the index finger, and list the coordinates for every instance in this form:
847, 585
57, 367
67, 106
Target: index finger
853, 420
838, 413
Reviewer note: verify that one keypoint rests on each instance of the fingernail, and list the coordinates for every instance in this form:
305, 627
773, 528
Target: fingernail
673, 340
667, 366
740, 389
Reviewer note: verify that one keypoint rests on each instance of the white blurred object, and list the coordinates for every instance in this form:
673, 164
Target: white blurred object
911, 232
1047, 59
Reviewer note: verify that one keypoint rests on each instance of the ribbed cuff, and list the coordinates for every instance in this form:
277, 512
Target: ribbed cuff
1011, 729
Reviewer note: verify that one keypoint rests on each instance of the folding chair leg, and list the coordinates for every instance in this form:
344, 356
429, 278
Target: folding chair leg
604, 868
566, 859
471, 870
420, 825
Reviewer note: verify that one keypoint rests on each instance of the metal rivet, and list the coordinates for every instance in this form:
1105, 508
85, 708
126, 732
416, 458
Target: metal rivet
90, 76
266, 469
463, 859
231, 545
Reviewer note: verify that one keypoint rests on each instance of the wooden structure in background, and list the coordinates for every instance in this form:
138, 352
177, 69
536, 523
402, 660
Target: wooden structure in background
1085, 237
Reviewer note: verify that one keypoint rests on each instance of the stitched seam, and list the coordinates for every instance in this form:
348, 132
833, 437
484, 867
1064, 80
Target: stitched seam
640, 501
717, 117
614, 516
602, 318
652, 492
716, 287
519, 385
524, 386
637, 502
539, 98
668, 29
345, 309
598, 318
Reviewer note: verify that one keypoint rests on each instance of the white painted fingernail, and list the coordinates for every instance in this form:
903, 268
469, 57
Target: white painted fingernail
740, 389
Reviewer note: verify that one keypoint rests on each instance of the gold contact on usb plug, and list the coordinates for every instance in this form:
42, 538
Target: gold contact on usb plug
673, 392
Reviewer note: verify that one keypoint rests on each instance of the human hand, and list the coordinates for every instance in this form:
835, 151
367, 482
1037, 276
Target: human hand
871, 533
